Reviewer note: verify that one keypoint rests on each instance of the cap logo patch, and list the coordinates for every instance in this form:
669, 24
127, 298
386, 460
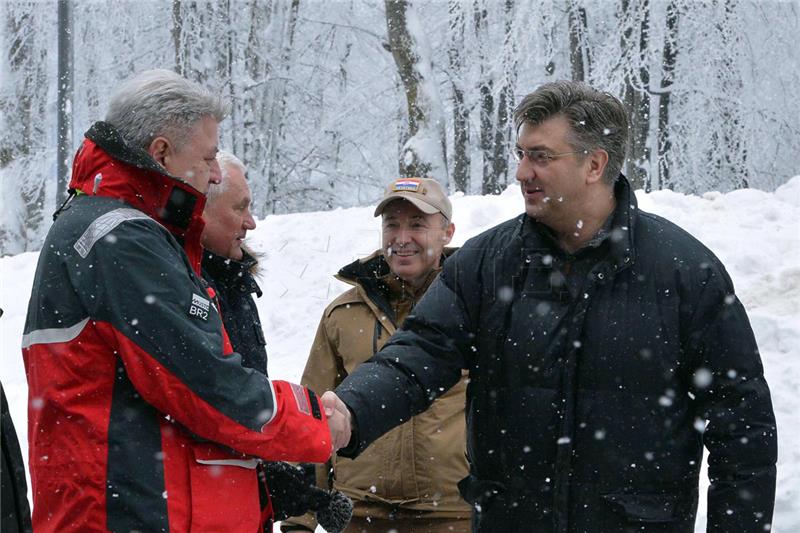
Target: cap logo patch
408, 185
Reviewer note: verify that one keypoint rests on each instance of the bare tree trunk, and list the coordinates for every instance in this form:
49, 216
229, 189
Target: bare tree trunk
177, 37
641, 121
461, 133
668, 62
253, 110
505, 103
579, 57
20, 54
424, 126
486, 100
498, 178
733, 146
405, 58
277, 111
636, 95
226, 70
25, 135
66, 78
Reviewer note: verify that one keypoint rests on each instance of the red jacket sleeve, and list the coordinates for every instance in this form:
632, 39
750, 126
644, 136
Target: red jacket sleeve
151, 307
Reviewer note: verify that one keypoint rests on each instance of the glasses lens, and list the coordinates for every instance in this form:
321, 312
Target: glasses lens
537, 157
540, 157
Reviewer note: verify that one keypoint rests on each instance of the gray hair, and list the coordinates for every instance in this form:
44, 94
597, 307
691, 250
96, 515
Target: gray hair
161, 103
597, 119
226, 161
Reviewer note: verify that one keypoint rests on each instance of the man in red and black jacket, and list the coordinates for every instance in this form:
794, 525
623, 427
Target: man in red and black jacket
141, 417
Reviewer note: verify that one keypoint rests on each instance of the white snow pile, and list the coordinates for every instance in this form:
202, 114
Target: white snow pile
754, 233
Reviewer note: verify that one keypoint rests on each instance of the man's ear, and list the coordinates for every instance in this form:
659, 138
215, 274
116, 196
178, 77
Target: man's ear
598, 159
448, 233
159, 149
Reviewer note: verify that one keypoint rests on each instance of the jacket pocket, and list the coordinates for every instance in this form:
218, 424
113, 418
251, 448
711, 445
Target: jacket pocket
645, 508
224, 490
496, 508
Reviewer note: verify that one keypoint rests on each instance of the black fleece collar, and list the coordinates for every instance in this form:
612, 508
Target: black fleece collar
371, 276
232, 273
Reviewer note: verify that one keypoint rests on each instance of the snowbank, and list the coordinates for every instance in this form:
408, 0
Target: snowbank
754, 233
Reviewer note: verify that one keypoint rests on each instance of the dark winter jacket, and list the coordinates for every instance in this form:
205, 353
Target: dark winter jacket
235, 285
588, 409
140, 416
16, 514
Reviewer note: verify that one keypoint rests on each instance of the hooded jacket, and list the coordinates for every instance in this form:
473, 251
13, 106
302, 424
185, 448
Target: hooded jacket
587, 409
140, 416
417, 466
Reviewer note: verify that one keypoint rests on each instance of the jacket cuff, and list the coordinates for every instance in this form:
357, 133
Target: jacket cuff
352, 449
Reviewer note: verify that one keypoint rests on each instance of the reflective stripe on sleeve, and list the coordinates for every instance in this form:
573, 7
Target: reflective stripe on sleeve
53, 335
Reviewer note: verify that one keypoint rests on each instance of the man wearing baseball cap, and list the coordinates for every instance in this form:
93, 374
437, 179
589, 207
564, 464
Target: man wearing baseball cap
406, 481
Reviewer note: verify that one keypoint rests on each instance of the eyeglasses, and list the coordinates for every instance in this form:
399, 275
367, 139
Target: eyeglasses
541, 157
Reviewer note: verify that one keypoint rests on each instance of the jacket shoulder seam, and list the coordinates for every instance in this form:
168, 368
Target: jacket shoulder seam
692, 243
350, 296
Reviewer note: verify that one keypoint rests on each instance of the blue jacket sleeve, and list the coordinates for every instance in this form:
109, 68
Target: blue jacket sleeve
734, 402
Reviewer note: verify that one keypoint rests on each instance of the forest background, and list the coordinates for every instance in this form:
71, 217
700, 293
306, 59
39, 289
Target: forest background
331, 99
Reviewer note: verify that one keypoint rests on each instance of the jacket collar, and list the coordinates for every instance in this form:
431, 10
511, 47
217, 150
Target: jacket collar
370, 276
399, 290
106, 165
374, 266
622, 251
623, 225
231, 273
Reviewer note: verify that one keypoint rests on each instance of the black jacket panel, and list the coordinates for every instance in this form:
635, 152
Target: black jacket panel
16, 513
234, 285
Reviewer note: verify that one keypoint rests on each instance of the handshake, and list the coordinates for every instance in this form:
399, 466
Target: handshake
292, 495
339, 419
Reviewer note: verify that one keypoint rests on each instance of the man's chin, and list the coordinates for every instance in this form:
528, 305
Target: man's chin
402, 270
533, 210
236, 253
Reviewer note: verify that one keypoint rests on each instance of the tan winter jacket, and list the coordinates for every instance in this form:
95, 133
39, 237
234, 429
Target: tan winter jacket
416, 466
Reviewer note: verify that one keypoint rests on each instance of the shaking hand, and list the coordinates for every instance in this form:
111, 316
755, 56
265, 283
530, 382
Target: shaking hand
339, 419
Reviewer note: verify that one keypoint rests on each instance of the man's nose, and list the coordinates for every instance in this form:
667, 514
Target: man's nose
215, 176
403, 236
249, 221
525, 170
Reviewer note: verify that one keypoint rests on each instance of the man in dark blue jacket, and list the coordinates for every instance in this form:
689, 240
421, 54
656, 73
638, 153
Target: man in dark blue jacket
230, 268
227, 264
605, 346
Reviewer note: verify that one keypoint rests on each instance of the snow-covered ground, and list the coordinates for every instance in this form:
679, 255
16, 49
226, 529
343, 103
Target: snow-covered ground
754, 233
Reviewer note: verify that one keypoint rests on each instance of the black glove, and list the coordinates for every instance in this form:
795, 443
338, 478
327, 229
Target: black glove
293, 493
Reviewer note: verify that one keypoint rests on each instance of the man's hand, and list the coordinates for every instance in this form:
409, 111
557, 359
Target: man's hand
339, 419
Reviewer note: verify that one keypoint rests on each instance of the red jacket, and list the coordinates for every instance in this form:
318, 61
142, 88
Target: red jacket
140, 416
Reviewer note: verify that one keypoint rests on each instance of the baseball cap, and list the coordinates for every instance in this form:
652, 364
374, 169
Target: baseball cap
425, 193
